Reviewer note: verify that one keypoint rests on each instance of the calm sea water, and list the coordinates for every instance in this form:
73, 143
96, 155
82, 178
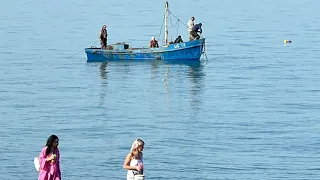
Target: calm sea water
250, 112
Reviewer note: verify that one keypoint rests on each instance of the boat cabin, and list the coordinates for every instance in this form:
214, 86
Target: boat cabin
119, 46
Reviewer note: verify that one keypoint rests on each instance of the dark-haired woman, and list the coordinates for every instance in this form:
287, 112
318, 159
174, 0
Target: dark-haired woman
134, 160
103, 37
49, 160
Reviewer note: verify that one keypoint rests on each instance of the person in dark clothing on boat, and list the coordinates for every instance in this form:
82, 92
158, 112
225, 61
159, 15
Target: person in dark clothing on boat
103, 37
153, 43
195, 29
178, 40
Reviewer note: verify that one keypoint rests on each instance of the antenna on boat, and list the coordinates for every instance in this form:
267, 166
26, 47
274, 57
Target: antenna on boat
166, 13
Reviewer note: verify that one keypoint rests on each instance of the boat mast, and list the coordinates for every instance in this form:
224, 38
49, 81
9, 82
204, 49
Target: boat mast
166, 13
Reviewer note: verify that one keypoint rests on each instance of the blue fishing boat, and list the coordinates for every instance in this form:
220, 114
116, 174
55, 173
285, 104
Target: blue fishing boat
191, 50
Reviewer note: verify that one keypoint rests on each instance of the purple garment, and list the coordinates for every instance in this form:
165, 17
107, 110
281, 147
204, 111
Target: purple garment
49, 170
197, 28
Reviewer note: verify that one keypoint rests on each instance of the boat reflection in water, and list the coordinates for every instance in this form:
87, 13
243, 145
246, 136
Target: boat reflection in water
171, 76
194, 66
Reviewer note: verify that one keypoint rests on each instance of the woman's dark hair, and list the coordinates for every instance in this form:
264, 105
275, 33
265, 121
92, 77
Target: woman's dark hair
50, 141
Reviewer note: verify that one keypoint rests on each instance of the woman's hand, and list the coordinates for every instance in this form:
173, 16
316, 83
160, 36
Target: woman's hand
52, 157
49, 158
138, 168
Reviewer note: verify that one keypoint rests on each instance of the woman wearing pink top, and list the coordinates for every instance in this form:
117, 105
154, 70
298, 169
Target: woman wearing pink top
49, 160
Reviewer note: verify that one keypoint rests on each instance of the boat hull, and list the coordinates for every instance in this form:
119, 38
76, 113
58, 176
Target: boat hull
190, 50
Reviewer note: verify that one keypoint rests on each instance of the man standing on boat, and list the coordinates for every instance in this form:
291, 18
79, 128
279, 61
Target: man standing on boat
190, 26
195, 29
103, 37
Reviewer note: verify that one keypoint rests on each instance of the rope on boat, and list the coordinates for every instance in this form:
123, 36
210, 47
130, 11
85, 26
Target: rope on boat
177, 23
204, 53
74, 54
177, 30
177, 18
79, 51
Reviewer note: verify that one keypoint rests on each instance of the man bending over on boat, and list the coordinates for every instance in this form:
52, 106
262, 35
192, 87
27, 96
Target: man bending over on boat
153, 43
195, 29
103, 37
178, 40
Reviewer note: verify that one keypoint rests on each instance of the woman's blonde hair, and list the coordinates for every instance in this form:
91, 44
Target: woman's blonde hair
134, 148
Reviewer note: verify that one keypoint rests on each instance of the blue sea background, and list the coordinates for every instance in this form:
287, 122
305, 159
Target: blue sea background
251, 111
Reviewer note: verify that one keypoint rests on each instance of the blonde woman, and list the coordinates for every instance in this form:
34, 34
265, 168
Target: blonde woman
134, 160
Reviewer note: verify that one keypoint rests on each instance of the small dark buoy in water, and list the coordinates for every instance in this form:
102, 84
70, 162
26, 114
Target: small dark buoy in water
286, 41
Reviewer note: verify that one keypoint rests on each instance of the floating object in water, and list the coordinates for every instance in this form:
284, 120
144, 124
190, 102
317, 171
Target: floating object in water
286, 41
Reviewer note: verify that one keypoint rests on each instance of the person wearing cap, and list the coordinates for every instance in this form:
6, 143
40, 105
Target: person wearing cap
190, 26
195, 29
103, 37
153, 43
